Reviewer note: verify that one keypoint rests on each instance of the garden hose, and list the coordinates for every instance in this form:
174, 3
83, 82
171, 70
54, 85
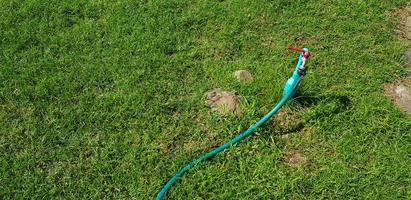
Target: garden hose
289, 90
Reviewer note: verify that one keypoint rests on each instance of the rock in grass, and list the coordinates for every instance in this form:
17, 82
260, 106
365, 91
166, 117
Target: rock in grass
243, 75
223, 101
401, 94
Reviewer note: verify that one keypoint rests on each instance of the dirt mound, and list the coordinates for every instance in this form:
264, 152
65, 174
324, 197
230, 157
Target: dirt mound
223, 101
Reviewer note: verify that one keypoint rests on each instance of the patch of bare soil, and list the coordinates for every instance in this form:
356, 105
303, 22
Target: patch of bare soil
403, 16
400, 92
295, 159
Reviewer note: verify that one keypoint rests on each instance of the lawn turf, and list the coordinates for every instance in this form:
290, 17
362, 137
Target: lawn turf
105, 99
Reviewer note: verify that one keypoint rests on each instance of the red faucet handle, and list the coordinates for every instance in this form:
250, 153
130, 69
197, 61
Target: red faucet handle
295, 48
306, 54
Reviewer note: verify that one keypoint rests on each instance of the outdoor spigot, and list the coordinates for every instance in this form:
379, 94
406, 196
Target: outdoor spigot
304, 57
299, 70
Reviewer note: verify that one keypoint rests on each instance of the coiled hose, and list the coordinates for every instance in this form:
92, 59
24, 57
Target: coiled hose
289, 90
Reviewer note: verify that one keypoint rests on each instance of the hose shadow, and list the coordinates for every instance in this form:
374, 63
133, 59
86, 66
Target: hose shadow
308, 100
302, 110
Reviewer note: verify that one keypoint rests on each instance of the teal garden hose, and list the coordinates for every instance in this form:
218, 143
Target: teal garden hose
289, 90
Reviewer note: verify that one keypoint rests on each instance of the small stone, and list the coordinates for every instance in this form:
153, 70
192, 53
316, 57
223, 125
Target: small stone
401, 93
243, 75
223, 101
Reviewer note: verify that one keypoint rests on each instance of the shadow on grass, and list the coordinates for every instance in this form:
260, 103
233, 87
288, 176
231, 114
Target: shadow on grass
304, 109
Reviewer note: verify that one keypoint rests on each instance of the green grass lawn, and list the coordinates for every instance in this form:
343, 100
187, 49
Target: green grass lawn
105, 99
